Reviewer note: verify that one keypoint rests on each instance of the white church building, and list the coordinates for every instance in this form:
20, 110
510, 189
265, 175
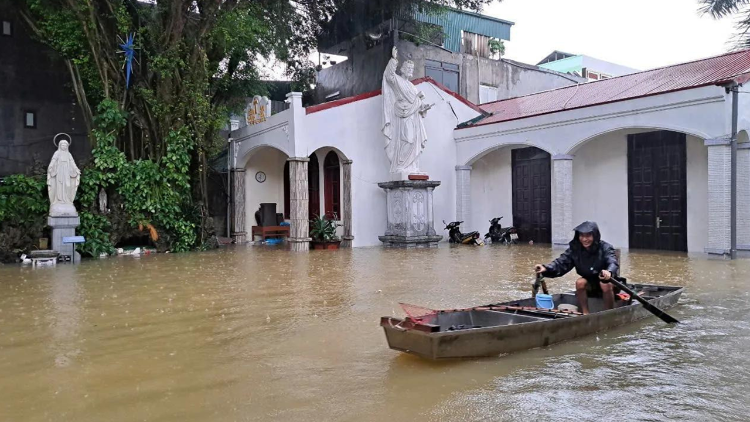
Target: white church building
646, 155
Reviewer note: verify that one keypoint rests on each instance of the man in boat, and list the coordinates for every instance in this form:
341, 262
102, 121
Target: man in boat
594, 260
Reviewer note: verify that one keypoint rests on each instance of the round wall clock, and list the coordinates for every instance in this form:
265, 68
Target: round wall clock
260, 177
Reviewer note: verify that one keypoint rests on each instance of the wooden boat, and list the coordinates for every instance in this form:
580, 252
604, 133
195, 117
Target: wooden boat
515, 325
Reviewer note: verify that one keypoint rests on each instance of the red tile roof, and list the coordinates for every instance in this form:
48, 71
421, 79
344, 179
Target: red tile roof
336, 103
711, 71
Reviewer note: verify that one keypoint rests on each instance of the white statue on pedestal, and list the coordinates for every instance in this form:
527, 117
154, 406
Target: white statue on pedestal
403, 111
63, 178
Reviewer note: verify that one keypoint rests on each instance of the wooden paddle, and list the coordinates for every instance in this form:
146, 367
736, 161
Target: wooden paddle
651, 308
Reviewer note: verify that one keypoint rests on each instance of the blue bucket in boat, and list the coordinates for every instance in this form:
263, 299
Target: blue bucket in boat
544, 301
273, 241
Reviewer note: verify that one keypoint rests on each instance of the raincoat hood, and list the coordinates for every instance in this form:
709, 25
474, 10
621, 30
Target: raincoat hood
586, 227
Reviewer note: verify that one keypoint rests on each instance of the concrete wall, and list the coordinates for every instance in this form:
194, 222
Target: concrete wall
33, 78
512, 79
270, 161
363, 72
609, 68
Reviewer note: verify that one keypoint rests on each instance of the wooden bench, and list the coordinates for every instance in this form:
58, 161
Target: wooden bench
270, 231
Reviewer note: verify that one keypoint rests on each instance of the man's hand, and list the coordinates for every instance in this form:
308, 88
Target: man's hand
539, 268
394, 53
605, 275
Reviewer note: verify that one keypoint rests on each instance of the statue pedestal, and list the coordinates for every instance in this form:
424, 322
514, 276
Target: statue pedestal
64, 226
410, 215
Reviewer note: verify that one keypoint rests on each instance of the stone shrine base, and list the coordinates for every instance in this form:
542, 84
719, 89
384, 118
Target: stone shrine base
410, 242
64, 226
409, 214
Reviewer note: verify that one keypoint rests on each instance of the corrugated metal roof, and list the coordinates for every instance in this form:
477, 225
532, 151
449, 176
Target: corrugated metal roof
711, 71
454, 21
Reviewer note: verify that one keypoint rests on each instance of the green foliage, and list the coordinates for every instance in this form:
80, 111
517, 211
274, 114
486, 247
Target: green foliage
323, 229
150, 192
496, 46
23, 199
23, 210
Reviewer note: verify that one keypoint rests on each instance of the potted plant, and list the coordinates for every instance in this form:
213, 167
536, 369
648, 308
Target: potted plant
323, 232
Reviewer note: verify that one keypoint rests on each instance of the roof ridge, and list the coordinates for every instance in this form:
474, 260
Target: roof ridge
737, 52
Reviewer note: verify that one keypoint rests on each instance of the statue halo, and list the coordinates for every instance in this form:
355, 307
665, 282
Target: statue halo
54, 140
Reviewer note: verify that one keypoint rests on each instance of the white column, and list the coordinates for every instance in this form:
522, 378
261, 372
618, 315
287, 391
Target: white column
463, 194
347, 216
743, 196
239, 233
719, 195
299, 204
562, 199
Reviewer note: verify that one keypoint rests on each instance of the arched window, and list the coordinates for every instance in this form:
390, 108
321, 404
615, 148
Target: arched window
332, 180
286, 190
313, 186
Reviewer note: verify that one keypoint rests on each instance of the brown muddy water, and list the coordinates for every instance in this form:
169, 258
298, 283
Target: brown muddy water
254, 333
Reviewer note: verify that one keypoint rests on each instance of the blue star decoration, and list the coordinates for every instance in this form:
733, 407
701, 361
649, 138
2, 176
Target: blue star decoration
128, 49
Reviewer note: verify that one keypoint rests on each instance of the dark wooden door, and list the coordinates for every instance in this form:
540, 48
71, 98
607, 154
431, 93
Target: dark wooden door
313, 187
657, 191
332, 182
531, 194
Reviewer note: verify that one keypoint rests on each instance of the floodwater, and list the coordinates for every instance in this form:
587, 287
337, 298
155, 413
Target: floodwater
254, 333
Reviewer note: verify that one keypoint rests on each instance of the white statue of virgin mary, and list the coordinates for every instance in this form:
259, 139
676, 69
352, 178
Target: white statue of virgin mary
63, 177
403, 111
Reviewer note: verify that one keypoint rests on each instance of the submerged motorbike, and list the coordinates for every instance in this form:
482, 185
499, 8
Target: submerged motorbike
455, 235
498, 234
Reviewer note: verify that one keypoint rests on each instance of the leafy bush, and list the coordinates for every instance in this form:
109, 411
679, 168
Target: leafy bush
323, 229
23, 210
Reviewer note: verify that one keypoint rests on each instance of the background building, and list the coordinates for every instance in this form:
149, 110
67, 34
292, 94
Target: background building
36, 100
585, 66
452, 48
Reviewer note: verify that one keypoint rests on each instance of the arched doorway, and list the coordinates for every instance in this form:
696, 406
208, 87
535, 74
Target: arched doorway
332, 183
313, 186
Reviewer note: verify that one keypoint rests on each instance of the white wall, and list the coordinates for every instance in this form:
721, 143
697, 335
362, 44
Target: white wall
491, 191
600, 188
697, 194
354, 129
270, 161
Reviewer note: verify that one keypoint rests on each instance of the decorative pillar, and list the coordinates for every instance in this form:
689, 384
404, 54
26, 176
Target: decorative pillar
239, 235
719, 195
409, 214
347, 216
299, 201
463, 194
743, 196
562, 200
430, 213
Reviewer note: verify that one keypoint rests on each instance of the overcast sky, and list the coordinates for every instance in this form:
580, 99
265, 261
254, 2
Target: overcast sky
642, 34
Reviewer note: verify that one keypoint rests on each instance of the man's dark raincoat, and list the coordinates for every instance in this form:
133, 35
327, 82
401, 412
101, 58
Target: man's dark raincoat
587, 262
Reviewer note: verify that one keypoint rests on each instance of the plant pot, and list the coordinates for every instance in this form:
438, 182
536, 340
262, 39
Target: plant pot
334, 244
